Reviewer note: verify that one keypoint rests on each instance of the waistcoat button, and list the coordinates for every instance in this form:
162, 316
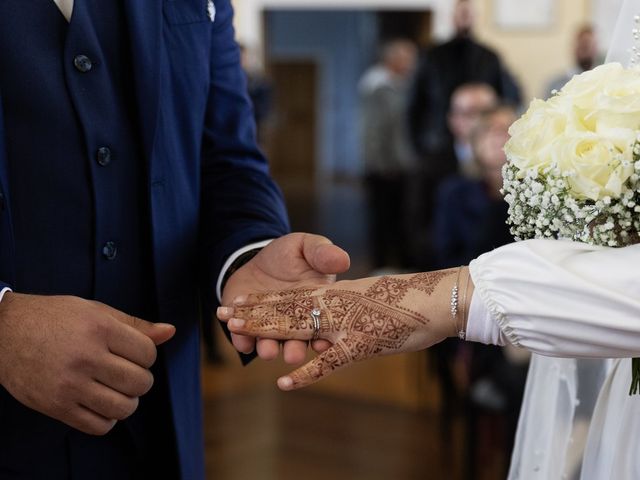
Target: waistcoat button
103, 156
110, 250
82, 63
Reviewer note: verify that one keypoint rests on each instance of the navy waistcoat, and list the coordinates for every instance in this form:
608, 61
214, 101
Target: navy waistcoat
77, 181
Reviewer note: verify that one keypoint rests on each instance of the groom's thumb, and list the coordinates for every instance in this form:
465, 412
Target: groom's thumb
158, 332
324, 256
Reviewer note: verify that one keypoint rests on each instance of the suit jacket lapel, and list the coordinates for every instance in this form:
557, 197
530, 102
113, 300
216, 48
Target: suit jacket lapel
144, 19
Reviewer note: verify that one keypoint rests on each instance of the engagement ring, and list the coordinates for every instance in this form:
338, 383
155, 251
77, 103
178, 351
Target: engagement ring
315, 314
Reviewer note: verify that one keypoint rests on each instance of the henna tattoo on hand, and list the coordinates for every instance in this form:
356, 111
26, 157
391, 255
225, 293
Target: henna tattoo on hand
362, 322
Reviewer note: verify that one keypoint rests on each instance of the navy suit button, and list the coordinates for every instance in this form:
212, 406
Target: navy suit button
110, 250
103, 156
82, 63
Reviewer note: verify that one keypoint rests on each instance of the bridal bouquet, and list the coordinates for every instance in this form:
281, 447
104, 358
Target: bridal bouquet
573, 169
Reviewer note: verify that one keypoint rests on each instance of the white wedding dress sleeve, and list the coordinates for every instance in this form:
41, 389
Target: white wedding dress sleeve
565, 299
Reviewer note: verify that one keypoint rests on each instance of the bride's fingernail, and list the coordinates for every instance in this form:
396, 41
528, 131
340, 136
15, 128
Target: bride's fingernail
224, 311
237, 323
240, 300
285, 383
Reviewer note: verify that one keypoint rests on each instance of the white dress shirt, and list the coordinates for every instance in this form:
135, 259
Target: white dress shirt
565, 299
66, 7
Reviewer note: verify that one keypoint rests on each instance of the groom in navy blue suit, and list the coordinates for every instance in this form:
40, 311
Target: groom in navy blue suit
131, 188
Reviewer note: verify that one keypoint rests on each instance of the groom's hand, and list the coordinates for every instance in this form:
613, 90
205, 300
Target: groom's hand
291, 261
78, 361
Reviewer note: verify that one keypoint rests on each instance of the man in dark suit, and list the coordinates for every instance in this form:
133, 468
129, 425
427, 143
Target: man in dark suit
130, 187
444, 68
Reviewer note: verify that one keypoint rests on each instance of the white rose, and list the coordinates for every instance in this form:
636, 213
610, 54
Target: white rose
583, 90
621, 93
534, 133
600, 165
604, 98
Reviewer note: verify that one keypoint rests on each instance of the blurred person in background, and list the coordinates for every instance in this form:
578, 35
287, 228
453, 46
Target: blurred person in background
585, 57
470, 219
468, 102
388, 157
444, 68
471, 214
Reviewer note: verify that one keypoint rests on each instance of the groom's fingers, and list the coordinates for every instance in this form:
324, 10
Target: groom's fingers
323, 365
320, 346
224, 313
242, 343
267, 349
295, 351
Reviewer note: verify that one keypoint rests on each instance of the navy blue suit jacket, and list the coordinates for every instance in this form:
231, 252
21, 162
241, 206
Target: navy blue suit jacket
209, 190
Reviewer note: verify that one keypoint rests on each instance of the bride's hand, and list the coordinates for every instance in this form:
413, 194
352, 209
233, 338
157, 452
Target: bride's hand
360, 319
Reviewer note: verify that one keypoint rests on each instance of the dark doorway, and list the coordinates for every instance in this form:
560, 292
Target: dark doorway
293, 136
414, 25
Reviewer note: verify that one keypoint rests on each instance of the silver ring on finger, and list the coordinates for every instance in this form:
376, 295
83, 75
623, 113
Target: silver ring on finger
315, 315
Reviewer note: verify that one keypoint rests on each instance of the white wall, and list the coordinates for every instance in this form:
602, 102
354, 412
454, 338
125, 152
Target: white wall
536, 56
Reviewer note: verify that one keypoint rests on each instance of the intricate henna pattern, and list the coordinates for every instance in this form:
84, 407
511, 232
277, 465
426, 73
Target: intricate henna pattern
427, 282
345, 351
280, 312
389, 290
363, 324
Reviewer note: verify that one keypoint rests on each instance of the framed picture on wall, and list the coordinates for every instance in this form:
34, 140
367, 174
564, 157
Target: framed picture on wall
524, 14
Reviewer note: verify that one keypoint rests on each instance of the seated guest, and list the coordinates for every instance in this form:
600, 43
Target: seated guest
470, 213
468, 103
